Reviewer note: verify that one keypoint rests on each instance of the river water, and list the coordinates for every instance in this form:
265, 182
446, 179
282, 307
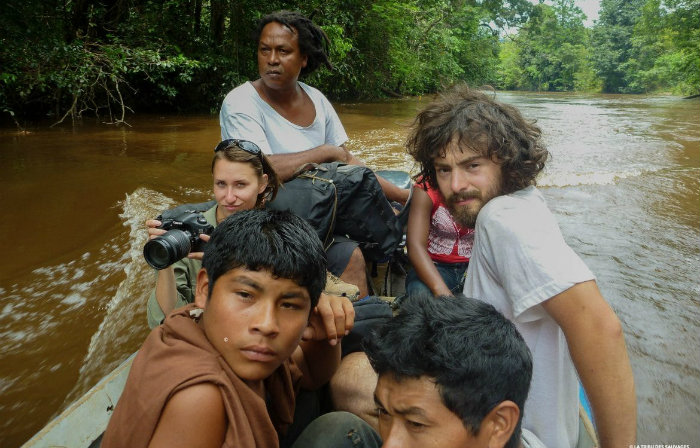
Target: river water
624, 183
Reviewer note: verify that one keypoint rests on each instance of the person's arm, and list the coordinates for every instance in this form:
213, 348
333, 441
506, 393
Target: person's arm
166, 289
417, 243
285, 165
392, 192
597, 346
318, 355
166, 292
235, 124
193, 417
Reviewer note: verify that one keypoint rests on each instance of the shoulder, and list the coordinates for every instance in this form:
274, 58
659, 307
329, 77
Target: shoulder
433, 193
199, 406
422, 204
316, 95
180, 349
311, 91
242, 98
525, 209
530, 440
204, 397
515, 202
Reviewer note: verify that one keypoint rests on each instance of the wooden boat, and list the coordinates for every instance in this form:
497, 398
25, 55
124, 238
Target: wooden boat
82, 424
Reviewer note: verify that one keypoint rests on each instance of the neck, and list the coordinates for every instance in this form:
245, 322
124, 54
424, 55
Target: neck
277, 96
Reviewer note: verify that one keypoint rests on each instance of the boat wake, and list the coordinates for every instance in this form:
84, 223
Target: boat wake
123, 327
570, 179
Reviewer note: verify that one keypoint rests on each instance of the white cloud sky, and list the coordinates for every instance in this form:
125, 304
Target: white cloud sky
589, 7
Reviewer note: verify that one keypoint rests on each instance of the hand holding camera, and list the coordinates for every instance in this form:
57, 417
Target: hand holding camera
175, 234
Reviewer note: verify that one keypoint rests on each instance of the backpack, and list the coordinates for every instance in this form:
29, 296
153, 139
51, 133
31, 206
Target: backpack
341, 199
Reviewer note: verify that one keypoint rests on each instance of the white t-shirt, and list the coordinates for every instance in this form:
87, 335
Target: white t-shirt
529, 440
520, 260
245, 115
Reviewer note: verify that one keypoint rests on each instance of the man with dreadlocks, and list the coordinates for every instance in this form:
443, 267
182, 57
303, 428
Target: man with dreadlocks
294, 123
291, 121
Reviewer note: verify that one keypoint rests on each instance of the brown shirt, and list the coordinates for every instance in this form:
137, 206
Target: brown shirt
177, 355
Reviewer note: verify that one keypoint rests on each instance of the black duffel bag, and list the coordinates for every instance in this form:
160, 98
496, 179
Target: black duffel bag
341, 199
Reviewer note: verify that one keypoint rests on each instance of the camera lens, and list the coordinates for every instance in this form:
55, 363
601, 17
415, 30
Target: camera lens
162, 251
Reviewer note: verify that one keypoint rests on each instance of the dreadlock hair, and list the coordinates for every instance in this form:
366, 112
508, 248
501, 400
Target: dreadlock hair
313, 41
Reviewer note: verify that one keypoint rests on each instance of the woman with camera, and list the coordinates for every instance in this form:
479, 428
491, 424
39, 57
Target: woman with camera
242, 179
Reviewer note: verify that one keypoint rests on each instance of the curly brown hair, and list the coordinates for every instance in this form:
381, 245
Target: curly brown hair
482, 124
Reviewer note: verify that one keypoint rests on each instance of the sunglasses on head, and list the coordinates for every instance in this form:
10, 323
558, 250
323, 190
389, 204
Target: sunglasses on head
245, 145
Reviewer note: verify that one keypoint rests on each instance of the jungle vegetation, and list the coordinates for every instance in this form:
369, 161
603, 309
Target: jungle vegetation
67, 59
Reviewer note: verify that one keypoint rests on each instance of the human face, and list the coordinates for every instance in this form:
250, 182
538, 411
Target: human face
412, 414
467, 181
254, 319
236, 187
279, 58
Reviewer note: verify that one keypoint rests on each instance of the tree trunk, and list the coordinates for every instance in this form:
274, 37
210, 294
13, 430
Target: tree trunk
197, 16
79, 21
218, 14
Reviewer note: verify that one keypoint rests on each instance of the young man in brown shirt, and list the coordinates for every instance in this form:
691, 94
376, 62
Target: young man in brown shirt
225, 371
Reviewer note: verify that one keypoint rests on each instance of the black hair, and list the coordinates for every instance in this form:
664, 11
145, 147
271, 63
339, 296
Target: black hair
313, 41
261, 239
475, 355
484, 125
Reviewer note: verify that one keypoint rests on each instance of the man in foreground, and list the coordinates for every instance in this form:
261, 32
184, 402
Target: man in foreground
484, 157
226, 370
453, 373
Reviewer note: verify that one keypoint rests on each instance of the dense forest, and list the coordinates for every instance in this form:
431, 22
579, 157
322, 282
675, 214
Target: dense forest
66, 59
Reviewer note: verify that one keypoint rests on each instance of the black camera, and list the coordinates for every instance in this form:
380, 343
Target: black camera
184, 227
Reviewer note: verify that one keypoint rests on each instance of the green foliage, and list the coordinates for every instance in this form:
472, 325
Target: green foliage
648, 45
186, 54
66, 58
637, 46
550, 52
666, 45
408, 47
62, 58
612, 42
511, 74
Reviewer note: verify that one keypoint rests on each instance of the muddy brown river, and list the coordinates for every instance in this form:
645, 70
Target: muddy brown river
624, 183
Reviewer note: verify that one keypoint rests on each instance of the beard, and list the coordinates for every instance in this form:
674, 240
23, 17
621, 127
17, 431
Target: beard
465, 215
